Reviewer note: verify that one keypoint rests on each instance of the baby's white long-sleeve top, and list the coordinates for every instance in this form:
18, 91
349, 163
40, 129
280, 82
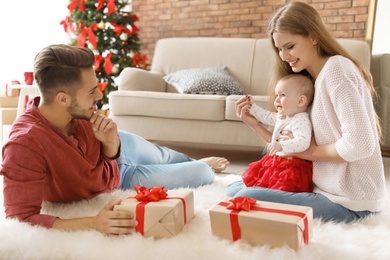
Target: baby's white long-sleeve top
299, 125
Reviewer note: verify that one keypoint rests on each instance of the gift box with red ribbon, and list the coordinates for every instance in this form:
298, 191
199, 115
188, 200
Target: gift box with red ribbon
159, 213
7, 91
260, 222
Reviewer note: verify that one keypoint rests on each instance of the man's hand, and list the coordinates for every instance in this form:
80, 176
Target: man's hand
112, 222
106, 131
104, 128
107, 221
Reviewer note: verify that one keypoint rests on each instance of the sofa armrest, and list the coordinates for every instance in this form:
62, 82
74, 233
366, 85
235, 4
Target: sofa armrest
139, 79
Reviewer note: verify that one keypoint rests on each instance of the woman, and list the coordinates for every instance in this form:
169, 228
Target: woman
348, 172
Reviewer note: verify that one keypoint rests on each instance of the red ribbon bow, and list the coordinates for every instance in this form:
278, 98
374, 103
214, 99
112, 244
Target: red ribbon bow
102, 86
138, 59
241, 203
91, 35
74, 4
150, 194
110, 6
119, 28
68, 25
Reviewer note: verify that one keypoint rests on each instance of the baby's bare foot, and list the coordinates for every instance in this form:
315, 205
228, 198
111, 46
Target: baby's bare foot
218, 164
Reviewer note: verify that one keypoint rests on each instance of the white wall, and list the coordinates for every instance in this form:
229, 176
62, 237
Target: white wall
381, 38
26, 27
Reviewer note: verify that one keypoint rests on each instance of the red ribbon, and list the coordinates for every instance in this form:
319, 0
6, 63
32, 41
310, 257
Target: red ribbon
100, 5
241, 203
91, 35
107, 63
150, 194
236, 233
98, 60
119, 28
102, 86
68, 25
146, 195
140, 58
13, 82
110, 6
74, 4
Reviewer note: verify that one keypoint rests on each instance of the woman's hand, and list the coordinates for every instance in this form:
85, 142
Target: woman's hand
243, 106
320, 153
305, 155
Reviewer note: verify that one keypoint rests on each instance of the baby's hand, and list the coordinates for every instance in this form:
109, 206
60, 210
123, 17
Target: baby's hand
274, 147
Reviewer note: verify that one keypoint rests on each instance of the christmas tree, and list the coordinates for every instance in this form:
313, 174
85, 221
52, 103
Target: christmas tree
105, 27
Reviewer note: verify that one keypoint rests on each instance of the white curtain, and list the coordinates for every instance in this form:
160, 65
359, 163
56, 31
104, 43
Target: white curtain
26, 27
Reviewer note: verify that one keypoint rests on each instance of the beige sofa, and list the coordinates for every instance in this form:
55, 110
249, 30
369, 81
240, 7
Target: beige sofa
380, 70
146, 105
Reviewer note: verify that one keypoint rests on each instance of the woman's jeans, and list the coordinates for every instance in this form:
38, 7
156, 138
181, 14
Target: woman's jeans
144, 163
323, 208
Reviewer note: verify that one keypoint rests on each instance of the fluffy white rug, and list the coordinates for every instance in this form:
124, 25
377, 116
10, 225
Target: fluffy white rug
368, 239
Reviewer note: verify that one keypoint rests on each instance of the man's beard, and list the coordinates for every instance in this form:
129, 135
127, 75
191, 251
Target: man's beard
79, 113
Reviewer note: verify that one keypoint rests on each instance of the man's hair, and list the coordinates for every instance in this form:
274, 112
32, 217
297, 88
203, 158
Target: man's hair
58, 68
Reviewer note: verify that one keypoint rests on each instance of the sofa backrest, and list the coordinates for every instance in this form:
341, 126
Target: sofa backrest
173, 54
249, 61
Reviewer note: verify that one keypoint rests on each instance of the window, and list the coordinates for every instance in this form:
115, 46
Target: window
26, 27
381, 37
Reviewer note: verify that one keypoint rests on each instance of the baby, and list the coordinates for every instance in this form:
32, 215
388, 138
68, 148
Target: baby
292, 133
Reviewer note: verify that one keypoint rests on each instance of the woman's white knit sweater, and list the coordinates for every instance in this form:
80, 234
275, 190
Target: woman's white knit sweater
343, 113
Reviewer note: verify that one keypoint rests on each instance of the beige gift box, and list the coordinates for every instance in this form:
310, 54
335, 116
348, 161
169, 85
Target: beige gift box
7, 91
274, 224
9, 101
163, 218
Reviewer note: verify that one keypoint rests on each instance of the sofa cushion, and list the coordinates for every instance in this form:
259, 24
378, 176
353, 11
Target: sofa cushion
168, 105
211, 80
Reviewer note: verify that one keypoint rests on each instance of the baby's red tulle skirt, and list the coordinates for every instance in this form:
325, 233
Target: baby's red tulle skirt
280, 173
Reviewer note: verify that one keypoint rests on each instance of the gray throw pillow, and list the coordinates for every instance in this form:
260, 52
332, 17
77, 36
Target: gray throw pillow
213, 80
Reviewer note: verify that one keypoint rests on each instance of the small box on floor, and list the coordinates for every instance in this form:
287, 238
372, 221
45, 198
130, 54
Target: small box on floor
7, 91
160, 213
7, 117
260, 222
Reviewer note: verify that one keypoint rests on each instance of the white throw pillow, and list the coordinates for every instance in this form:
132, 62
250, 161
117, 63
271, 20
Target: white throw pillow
213, 80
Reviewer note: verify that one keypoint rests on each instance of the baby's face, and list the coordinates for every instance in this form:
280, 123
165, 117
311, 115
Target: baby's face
288, 101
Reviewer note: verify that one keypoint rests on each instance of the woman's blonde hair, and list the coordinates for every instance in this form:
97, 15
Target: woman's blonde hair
302, 19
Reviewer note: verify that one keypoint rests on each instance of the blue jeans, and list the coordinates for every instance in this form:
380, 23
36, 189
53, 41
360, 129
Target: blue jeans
144, 163
323, 208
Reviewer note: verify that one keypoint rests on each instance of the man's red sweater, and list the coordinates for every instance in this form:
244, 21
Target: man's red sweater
41, 164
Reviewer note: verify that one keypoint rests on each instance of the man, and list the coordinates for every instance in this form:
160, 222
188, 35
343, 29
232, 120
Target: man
60, 150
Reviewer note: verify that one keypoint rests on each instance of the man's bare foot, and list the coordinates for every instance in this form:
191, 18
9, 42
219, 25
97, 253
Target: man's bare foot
218, 164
